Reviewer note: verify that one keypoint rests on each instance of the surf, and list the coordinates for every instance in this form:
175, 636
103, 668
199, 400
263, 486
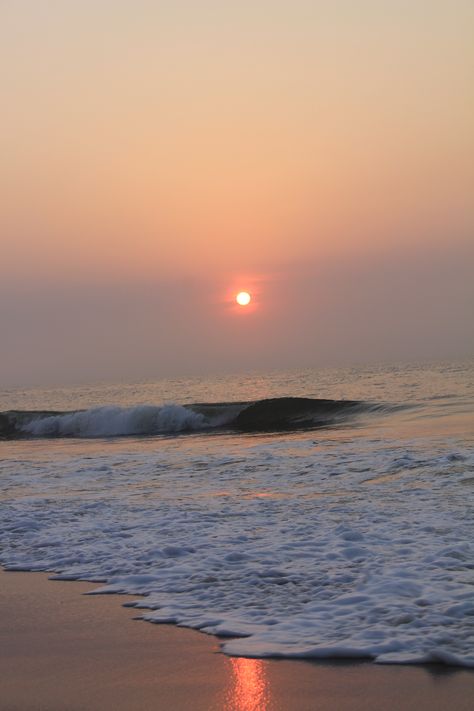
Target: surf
266, 415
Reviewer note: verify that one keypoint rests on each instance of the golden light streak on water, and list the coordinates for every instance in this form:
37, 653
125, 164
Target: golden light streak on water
250, 690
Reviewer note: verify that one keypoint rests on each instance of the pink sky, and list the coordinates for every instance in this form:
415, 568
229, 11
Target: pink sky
157, 155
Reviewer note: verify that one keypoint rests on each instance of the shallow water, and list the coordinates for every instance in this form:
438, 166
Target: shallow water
352, 540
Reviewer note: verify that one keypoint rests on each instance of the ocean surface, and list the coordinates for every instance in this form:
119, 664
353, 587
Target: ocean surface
315, 513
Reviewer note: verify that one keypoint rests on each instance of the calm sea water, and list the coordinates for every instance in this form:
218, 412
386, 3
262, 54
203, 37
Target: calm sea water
325, 533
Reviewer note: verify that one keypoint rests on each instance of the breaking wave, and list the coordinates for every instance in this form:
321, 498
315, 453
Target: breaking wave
273, 414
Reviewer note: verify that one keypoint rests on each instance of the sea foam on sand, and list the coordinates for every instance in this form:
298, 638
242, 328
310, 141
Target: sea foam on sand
292, 547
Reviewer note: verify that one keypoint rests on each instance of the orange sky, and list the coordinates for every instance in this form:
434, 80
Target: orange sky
174, 140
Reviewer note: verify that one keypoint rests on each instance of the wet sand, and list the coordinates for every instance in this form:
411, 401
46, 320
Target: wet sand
64, 651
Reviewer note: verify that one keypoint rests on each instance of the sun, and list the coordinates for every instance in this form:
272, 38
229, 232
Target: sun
243, 298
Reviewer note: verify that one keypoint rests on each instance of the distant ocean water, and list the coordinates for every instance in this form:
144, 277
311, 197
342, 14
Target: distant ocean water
315, 513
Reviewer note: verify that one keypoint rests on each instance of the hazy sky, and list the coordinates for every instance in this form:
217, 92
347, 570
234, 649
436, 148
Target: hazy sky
159, 156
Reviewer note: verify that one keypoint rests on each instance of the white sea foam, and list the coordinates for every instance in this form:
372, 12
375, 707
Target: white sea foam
113, 421
334, 548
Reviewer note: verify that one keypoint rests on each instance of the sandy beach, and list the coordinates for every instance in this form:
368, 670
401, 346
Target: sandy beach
64, 651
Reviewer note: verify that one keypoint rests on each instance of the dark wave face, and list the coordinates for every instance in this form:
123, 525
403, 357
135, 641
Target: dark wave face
294, 413
269, 415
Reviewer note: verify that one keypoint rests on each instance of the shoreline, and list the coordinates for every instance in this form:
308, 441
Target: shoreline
63, 651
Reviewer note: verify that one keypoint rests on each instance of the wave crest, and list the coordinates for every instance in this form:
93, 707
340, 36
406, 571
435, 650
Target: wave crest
111, 421
274, 414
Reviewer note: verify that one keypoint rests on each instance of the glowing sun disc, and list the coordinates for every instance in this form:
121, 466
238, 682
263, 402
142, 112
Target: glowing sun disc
243, 298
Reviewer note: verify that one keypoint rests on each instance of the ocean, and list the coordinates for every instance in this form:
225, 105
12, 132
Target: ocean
311, 513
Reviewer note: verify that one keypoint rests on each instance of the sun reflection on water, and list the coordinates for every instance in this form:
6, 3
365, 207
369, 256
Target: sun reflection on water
249, 689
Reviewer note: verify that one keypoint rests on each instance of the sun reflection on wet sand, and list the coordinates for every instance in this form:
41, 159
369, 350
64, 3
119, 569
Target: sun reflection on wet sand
249, 690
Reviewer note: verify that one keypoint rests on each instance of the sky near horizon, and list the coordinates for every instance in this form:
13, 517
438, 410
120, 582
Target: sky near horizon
159, 156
